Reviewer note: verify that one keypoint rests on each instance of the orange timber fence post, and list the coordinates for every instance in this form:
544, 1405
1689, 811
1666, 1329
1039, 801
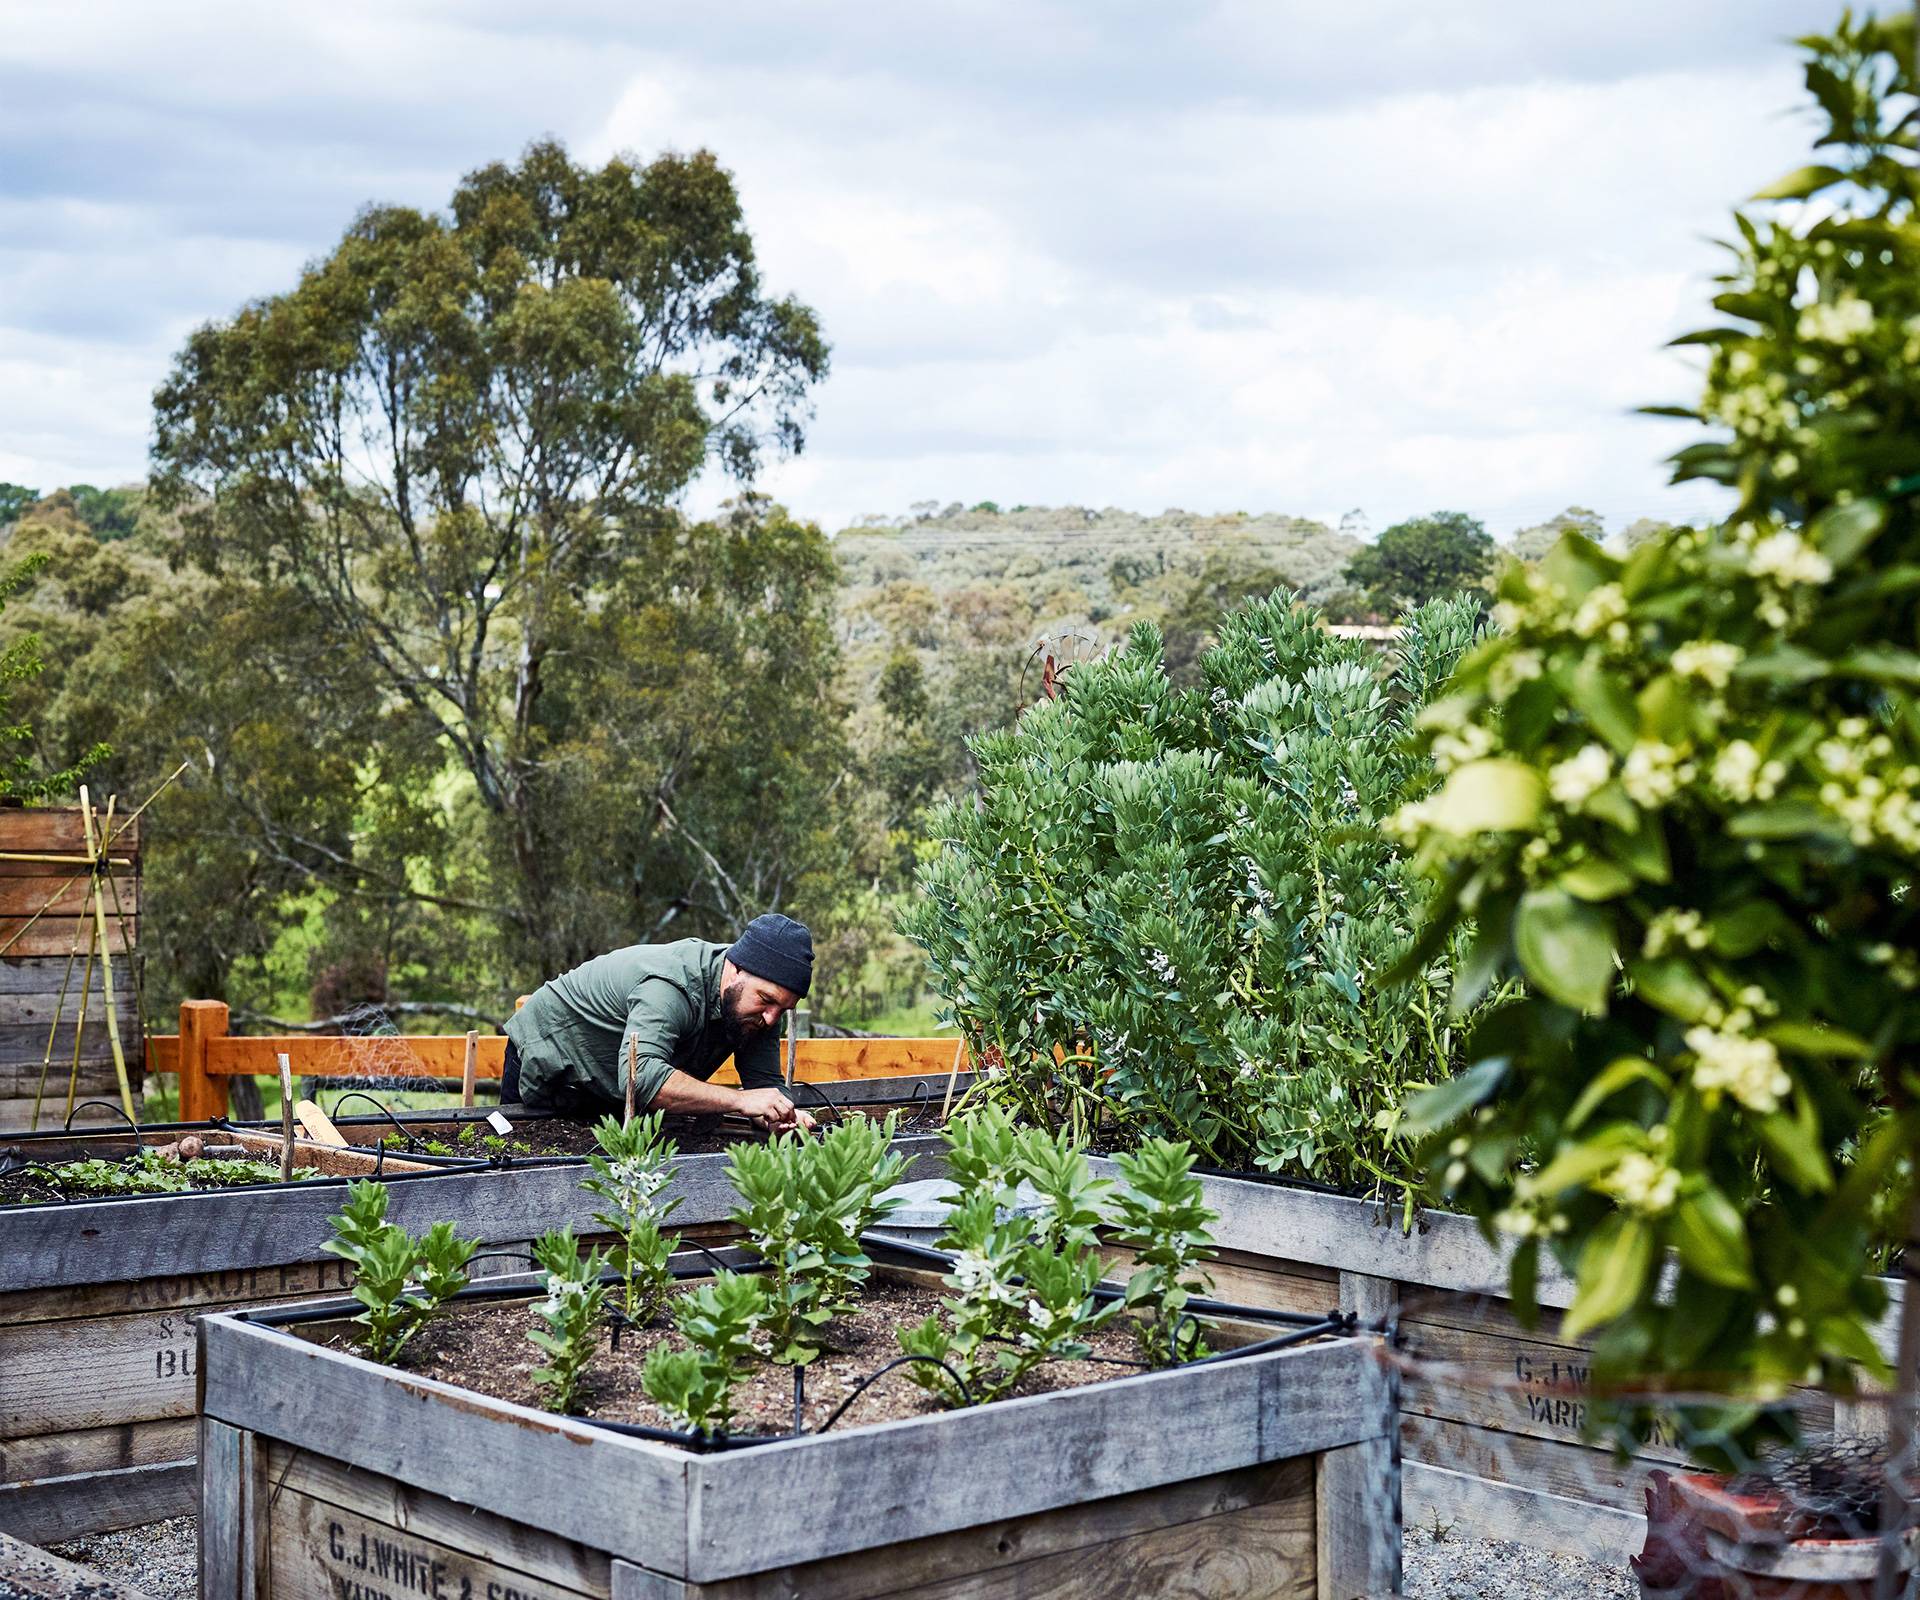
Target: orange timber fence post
203, 1096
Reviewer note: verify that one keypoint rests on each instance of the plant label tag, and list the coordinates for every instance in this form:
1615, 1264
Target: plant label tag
499, 1124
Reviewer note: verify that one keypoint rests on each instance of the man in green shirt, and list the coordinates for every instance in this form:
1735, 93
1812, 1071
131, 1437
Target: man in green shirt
668, 1014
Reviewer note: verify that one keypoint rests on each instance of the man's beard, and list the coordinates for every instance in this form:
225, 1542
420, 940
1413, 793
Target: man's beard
738, 1029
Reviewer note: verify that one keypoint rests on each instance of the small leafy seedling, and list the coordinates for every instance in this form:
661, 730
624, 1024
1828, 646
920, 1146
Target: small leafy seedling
1160, 1216
634, 1166
804, 1202
718, 1321
400, 1281
1022, 1289
576, 1300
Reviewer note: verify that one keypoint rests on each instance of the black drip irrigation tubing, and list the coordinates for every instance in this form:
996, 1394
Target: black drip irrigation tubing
118, 1110
385, 1110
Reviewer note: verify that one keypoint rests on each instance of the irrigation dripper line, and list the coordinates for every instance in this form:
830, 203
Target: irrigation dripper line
117, 1109
1213, 1308
384, 1109
872, 1378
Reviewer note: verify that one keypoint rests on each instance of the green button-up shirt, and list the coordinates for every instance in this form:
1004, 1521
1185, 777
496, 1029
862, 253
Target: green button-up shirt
662, 1001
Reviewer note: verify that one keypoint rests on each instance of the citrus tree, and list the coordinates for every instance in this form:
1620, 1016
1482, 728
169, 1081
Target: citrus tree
1682, 801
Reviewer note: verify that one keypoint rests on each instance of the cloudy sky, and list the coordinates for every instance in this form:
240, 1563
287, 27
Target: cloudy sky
1250, 254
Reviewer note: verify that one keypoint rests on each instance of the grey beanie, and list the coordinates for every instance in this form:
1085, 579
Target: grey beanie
778, 949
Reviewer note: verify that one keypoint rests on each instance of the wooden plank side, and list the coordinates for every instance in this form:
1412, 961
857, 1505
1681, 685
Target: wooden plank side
1245, 1280
1047, 1451
27, 1573
60, 894
320, 1551
621, 1495
108, 1449
376, 1056
226, 1543
1357, 1518
53, 1509
23, 1066
1459, 1505
45, 976
60, 830
16, 1113
1262, 1552
844, 1060
824, 1061
181, 1292
54, 936
231, 1230
391, 1504
42, 1007
1588, 1473
1008, 1551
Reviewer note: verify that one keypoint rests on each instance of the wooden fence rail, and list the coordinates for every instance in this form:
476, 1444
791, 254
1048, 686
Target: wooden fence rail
205, 1056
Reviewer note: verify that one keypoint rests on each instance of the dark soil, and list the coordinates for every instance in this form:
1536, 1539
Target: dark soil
484, 1347
565, 1136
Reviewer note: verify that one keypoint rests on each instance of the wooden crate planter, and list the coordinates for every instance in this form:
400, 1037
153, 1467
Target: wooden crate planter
1492, 1414
1265, 1475
98, 1301
46, 914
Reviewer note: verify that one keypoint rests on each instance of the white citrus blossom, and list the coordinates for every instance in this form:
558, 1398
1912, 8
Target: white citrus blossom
1642, 1183
1741, 774
1788, 559
1577, 779
1470, 743
1602, 608
1710, 660
1653, 773
1747, 1069
1675, 926
1840, 322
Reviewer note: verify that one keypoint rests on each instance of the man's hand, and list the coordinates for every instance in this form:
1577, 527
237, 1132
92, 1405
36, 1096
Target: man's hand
773, 1111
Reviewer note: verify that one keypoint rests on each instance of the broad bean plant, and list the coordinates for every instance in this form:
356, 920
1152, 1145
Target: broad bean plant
400, 1281
632, 1168
804, 1204
1681, 798
1174, 910
718, 1320
570, 1314
1023, 1286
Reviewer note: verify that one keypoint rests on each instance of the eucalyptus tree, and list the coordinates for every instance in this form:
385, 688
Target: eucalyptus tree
457, 441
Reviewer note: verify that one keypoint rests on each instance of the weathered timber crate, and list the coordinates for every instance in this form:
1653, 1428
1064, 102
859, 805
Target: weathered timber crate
1493, 1415
47, 927
98, 1300
1265, 1475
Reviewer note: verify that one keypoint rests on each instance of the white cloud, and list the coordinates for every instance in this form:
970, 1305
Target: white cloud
1256, 255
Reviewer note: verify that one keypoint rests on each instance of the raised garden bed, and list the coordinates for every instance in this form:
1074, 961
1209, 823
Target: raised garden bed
1492, 1415
1262, 1472
540, 1135
98, 1300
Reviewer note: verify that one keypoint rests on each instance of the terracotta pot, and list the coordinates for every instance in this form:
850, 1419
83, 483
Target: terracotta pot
1707, 1542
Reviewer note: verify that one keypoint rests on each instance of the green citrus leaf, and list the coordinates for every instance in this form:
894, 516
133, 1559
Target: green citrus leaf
1613, 1270
1711, 1237
1798, 185
1565, 948
1492, 796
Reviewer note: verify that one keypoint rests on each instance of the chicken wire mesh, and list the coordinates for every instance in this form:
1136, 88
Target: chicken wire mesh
1522, 1478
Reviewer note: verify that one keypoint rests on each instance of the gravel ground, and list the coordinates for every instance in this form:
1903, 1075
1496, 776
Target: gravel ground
162, 1559
1452, 1568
